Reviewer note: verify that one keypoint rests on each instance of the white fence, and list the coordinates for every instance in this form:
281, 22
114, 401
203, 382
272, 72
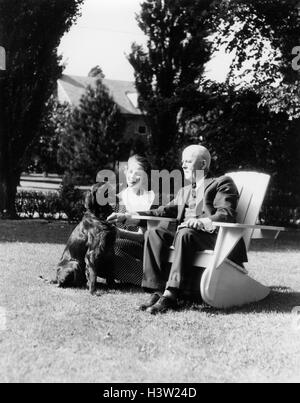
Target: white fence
42, 183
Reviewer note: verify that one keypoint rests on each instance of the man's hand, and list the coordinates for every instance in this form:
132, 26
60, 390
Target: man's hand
117, 218
200, 224
193, 223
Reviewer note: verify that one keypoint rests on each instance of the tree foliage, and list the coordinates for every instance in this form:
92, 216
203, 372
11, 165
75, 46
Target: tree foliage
92, 138
30, 31
42, 155
244, 136
170, 69
252, 120
96, 72
262, 34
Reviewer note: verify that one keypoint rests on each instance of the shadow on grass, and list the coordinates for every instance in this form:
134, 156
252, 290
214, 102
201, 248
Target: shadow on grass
287, 242
37, 232
281, 300
120, 288
58, 232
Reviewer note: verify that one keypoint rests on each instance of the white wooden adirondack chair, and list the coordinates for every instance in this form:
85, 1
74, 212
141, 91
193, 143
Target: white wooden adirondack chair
224, 284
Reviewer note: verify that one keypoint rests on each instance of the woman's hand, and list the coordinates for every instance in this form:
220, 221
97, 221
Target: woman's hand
117, 218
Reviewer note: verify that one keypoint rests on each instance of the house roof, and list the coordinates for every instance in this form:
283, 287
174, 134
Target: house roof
123, 92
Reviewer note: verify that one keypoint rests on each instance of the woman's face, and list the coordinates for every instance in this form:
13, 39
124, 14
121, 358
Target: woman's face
135, 175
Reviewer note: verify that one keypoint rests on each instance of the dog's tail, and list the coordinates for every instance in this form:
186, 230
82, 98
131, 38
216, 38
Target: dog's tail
47, 280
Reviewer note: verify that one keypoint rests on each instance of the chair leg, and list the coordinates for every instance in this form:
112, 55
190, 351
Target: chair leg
228, 287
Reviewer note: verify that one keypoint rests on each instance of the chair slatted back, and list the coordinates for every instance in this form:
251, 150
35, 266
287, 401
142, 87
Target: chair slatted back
252, 187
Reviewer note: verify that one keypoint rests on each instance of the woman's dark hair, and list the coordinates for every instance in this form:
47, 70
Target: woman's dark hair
144, 162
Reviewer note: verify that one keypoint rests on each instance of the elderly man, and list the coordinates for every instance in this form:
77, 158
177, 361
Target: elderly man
204, 201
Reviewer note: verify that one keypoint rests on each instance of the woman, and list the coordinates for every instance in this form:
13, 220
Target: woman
128, 264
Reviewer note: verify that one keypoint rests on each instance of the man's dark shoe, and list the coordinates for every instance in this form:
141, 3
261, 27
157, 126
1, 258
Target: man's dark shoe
151, 301
163, 305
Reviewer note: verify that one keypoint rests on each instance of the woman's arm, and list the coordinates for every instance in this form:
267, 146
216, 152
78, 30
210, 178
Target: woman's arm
169, 211
122, 218
132, 236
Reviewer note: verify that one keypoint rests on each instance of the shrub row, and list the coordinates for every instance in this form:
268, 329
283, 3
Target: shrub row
282, 216
67, 204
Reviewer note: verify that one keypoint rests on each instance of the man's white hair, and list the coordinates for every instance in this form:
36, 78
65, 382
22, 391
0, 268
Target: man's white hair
200, 152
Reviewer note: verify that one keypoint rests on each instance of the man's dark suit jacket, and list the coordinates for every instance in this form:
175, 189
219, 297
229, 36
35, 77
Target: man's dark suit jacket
220, 203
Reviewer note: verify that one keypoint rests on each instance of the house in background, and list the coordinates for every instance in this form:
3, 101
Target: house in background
71, 88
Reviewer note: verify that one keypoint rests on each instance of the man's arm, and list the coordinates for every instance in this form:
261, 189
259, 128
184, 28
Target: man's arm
225, 201
169, 211
224, 198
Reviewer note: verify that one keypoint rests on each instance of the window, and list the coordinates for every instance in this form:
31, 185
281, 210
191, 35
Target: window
142, 130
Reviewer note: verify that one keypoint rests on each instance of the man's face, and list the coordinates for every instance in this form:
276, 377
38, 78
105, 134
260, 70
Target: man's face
191, 162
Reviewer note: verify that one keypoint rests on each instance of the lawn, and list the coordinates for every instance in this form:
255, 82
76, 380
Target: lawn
55, 335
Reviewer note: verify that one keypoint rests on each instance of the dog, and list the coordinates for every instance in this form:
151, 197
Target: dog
90, 248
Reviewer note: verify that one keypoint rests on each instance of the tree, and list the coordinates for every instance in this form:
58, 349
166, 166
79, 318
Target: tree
42, 156
263, 32
31, 31
169, 71
93, 137
252, 121
244, 136
96, 72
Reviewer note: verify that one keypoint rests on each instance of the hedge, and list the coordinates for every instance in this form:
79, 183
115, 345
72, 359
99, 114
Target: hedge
53, 206
68, 204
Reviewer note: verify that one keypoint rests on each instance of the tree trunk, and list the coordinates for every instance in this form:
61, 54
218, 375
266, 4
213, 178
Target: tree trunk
9, 177
8, 192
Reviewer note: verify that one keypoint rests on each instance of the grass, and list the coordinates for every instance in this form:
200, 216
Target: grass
57, 335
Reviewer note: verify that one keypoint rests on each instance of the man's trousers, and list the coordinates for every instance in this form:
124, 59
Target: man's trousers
158, 275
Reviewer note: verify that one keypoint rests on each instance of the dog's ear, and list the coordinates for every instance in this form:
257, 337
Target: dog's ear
89, 201
91, 197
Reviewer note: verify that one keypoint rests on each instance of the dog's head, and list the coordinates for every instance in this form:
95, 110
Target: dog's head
70, 275
100, 199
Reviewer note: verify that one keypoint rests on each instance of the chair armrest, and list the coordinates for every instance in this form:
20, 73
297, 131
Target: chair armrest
150, 218
216, 224
259, 231
249, 226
